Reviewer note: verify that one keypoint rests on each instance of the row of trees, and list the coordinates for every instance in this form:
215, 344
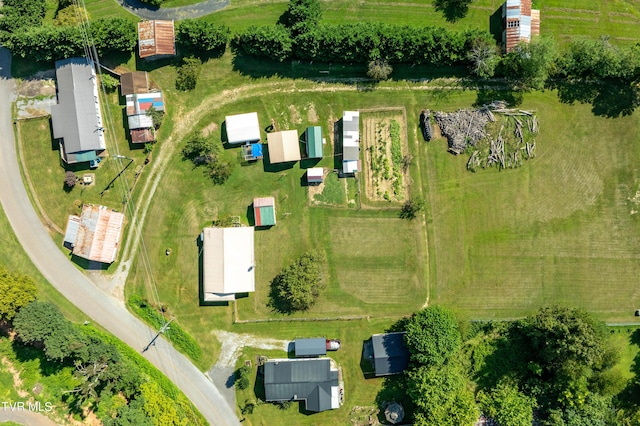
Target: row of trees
554, 363
360, 43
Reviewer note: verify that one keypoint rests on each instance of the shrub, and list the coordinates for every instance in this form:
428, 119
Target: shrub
188, 74
70, 179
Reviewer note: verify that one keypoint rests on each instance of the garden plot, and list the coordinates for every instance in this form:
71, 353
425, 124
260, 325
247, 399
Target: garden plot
386, 155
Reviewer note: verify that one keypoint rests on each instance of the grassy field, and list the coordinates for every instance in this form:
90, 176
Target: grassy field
561, 229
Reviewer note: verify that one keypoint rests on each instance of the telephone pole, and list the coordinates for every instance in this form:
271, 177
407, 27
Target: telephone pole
153, 341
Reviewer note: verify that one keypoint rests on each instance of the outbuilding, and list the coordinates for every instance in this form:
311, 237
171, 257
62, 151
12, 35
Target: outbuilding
313, 141
228, 263
283, 146
390, 355
264, 211
95, 234
156, 39
315, 175
310, 347
350, 142
242, 128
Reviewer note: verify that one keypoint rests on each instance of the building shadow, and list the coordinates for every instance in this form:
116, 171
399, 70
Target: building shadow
337, 146
495, 25
366, 358
277, 167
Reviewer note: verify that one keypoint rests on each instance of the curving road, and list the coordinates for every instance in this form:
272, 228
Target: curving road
78, 289
191, 11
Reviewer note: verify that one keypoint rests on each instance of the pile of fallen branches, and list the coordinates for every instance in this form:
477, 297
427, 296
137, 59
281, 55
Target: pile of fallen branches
463, 127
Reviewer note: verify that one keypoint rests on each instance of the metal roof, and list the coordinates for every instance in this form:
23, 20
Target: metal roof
72, 230
242, 128
310, 347
314, 141
141, 103
156, 38
76, 118
315, 174
350, 141
283, 146
142, 135
139, 121
134, 82
520, 23
310, 380
390, 355
228, 262
264, 210
98, 234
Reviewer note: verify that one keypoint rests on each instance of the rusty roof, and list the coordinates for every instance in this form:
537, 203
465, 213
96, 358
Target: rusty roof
520, 23
142, 135
156, 38
134, 82
99, 234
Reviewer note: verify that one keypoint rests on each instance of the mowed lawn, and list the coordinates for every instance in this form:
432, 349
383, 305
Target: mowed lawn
562, 229
561, 18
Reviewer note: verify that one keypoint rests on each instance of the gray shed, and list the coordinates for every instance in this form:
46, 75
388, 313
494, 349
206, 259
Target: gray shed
310, 347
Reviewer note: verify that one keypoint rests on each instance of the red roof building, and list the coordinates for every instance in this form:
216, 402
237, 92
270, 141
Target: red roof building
520, 23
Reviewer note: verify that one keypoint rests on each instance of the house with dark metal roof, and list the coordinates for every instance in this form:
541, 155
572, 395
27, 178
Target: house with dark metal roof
310, 347
95, 234
313, 141
390, 355
156, 39
77, 119
350, 142
520, 23
314, 381
264, 211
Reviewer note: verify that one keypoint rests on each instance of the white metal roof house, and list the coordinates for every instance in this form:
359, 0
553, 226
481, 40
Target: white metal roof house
228, 263
242, 128
77, 120
350, 142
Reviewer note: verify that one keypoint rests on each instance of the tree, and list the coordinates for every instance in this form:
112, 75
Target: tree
411, 208
188, 74
298, 286
529, 65
242, 377
484, 58
379, 70
109, 82
70, 179
114, 35
301, 15
273, 42
507, 405
156, 117
198, 148
70, 15
441, 396
16, 290
432, 336
202, 38
219, 171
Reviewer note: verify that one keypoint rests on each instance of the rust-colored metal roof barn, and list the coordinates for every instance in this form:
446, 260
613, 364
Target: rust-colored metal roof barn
520, 23
134, 82
96, 234
156, 39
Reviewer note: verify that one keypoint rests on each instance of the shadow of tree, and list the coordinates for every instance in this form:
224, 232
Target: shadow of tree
453, 10
608, 98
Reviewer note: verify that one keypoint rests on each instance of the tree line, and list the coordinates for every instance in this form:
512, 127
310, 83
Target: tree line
108, 378
554, 366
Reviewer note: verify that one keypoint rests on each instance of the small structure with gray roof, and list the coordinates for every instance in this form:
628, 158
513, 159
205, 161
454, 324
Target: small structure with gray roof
350, 142
390, 355
314, 381
228, 263
76, 119
310, 347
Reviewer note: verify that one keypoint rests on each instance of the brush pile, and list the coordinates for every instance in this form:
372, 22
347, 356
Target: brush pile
464, 127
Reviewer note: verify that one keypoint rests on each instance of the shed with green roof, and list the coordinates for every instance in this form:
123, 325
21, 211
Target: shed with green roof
313, 141
264, 211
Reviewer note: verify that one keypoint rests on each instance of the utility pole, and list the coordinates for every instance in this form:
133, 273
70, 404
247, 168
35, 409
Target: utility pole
153, 341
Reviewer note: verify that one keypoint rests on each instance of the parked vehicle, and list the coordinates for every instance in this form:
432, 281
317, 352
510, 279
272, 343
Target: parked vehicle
333, 344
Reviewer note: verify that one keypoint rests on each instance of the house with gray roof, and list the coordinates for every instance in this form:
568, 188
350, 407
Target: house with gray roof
77, 120
390, 355
314, 381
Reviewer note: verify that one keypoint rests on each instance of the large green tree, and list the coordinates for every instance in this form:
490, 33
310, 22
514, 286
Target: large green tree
299, 285
16, 291
301, 15
202, 38
432, 336
441, 396
507, 405
529, 65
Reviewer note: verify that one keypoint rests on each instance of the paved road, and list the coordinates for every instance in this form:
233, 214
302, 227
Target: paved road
26, 418
64, 276
144, 11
